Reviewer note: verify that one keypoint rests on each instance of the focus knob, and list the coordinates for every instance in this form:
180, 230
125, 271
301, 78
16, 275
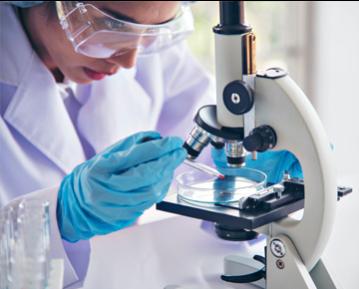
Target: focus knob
260, 139
238, 97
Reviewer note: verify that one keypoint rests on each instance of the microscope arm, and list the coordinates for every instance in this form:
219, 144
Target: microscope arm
281, 104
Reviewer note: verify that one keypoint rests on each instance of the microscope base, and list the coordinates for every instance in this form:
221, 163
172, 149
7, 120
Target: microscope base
283, 272
235, 265
290, 269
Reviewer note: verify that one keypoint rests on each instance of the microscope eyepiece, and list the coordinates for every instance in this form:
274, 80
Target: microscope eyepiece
231, 18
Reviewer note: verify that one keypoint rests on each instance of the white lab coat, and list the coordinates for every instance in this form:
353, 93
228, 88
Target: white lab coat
39, 141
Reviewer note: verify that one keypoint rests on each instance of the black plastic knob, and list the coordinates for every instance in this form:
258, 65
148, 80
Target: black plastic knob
260, 139
238, 97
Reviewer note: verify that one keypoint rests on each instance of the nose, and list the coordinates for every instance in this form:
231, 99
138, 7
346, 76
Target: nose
125, 60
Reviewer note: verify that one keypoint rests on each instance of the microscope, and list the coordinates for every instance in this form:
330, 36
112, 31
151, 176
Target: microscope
257, 112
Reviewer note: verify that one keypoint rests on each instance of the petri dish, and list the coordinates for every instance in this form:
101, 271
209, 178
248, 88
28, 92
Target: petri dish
198, 187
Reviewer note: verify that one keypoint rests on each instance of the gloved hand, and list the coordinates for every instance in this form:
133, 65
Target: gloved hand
272, 163
111, 190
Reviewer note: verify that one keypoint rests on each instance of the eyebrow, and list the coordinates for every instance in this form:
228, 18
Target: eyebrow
124, 17
119, 15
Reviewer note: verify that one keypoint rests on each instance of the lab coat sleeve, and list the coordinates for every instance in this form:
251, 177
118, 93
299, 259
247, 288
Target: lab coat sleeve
59, 248
187, 86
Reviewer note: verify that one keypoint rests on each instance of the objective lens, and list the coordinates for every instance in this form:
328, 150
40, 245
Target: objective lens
197, 140
217, 142
235, 154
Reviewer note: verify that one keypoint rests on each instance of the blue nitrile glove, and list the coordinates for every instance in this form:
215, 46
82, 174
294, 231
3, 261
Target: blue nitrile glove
272, 163
111, 190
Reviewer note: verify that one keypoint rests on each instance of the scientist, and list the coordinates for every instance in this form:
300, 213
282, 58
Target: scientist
71, 88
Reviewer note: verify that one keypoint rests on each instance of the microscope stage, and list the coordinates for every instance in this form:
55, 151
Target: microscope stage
265, 209
227, 214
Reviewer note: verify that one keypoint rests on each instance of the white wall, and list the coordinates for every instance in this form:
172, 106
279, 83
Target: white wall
334, 77
333, 88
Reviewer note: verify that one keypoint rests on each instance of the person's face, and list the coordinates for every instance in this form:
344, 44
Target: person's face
82, 69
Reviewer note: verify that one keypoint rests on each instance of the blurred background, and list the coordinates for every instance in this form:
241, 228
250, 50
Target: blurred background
280, 27
317, 42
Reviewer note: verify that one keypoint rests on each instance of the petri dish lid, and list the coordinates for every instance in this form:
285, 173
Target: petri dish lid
201, 188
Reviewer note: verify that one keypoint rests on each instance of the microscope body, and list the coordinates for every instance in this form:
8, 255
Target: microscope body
279, 104
256, 112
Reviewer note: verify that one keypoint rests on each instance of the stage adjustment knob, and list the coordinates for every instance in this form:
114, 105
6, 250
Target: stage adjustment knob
260, 139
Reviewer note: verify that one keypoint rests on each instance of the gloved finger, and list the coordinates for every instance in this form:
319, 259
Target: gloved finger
106, 219
114, 195
274, 164
153, 196
219, 157
111, 204
228, 171
140, 153
226, 184
157, 193
134, 203
224, 189
129, 141
154, 192
295, 170
149, 173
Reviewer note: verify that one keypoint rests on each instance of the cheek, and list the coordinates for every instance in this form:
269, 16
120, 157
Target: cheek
61, 54
69, 62
61, 50
65, 55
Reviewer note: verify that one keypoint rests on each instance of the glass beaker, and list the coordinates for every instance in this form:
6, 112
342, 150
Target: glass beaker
4, 249
30, 253
7, 240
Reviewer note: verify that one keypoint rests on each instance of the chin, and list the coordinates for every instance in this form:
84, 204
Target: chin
79, 79
83, 81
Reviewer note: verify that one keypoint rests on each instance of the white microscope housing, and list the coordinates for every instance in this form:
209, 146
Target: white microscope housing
256, 112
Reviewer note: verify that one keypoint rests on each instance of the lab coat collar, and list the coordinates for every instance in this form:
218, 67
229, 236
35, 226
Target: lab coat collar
36, 110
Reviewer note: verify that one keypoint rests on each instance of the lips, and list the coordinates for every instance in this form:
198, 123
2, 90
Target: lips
95, 75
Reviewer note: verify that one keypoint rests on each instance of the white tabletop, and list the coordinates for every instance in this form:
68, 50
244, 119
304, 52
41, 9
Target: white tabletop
176, 250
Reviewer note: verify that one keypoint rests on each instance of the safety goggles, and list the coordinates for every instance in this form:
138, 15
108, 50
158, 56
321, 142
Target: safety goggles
97, 34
